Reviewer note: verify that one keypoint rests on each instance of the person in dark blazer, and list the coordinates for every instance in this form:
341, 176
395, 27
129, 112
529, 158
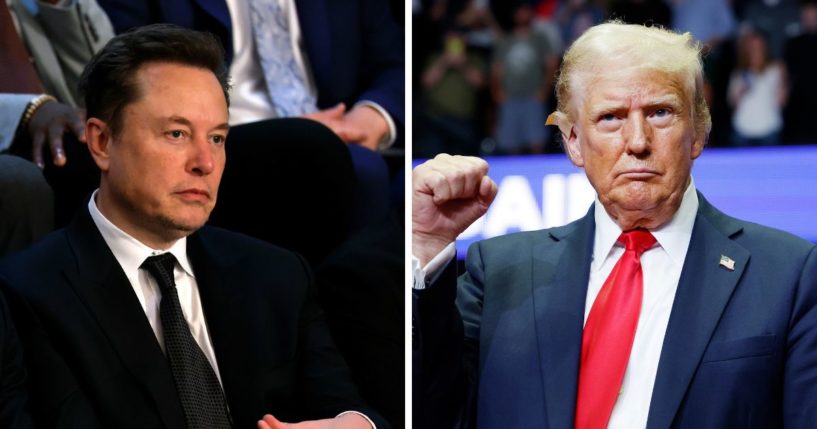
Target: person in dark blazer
136, 315
721, 329
354, 49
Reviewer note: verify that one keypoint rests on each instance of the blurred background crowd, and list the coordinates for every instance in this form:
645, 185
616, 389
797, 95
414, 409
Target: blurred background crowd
484, 70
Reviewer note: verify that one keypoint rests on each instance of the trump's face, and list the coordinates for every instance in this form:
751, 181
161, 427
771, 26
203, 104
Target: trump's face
162, 170
635, 139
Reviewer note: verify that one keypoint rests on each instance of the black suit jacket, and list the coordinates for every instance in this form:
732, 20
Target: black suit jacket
94, 360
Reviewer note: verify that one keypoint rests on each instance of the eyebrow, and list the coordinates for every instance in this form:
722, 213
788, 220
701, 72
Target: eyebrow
606, 107
184, 121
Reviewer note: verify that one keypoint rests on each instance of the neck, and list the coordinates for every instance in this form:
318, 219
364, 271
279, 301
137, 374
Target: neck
109, 207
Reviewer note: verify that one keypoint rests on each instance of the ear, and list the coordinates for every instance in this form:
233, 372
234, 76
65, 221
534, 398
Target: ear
98, 139
698, 146
573, 147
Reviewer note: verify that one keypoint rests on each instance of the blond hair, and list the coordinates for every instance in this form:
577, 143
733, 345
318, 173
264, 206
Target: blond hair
645, 48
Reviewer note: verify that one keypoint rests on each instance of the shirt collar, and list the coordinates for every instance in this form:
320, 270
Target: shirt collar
128, 251
673, 236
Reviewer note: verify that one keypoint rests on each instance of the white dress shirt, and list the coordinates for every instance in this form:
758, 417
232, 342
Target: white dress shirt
131, 253
661, 265
249, 99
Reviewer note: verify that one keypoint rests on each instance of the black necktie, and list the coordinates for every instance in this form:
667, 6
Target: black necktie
198, 388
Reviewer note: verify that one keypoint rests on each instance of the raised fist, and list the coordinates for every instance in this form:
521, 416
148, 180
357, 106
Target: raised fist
448, 194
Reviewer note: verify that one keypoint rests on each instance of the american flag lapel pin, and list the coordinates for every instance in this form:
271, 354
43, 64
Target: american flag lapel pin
727, 263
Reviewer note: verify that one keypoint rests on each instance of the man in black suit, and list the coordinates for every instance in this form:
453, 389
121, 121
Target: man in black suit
136, 315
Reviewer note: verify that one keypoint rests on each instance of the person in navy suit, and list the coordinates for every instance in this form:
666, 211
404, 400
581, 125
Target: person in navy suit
353, 50
725, 320
100, 338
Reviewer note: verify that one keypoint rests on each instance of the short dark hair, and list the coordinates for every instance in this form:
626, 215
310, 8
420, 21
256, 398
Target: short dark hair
108, 81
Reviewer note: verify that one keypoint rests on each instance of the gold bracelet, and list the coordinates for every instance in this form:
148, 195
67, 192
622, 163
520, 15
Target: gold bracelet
32, 108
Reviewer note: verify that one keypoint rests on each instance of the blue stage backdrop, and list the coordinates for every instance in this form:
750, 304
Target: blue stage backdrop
774, 186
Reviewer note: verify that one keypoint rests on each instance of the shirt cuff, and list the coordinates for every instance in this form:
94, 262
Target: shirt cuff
389, 138
426, 275
361, 415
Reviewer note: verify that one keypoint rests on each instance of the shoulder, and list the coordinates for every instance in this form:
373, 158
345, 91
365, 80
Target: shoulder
232, 247
238, 242
51, 253
760, 238
524, 244
38, 272
751, 233
770, 246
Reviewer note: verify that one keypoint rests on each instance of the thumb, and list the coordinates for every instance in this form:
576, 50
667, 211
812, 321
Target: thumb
269, 421
337, 110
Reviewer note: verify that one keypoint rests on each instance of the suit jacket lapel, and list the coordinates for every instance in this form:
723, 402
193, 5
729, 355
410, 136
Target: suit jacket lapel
560, 276
703, 292
100, 282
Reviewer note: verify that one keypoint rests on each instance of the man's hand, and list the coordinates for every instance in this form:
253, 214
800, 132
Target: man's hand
362, 125
49, 122
345, 421
448, 194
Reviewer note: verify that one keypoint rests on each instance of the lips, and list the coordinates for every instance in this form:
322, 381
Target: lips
194, 194
638, 173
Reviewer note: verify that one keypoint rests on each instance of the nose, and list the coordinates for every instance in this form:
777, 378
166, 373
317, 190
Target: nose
637, 134
201, 160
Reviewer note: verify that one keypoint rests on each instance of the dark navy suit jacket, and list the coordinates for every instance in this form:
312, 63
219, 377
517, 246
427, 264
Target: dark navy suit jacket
740, 348
355, 48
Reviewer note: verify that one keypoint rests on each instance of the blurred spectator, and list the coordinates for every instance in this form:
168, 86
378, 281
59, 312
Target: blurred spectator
46, 44
778, 19
644, 12
425, 37
801, 64
60, 37
544, 23
709, 21
451, 82
522, 75
481, 25
576, 16
757, 91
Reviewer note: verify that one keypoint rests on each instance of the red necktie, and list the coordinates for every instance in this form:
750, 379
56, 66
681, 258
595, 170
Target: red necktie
609, 332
